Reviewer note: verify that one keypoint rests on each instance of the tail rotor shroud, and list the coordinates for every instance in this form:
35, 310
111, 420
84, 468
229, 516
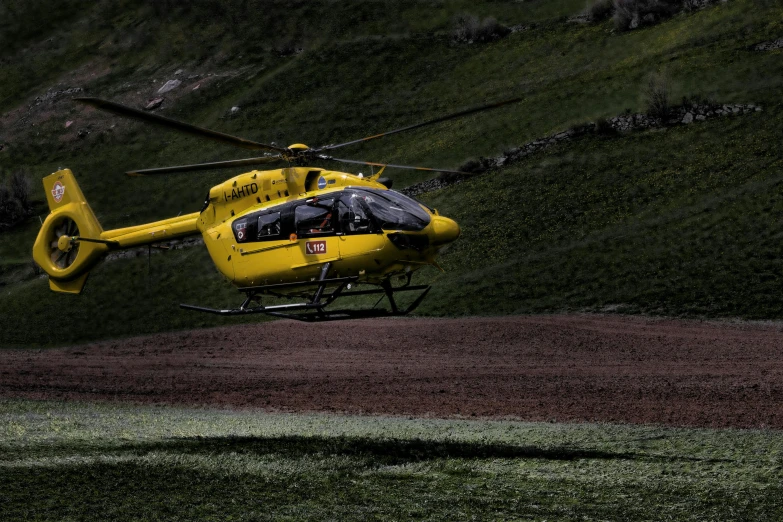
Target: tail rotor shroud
64, 251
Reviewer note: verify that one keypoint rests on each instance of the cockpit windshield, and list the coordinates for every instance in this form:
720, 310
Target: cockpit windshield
393, 210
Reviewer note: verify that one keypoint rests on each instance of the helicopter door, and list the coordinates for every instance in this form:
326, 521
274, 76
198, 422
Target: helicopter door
315, 223
262, 244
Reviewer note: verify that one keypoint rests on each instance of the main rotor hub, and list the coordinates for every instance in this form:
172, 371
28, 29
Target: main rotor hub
298, 147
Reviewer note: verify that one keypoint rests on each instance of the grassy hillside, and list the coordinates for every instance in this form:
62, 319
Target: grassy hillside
138, 463
681, 221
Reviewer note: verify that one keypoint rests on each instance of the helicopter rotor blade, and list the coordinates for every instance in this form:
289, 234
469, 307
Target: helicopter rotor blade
71, 255
391, 165
459, 114
59, 260
130, 112
207, 166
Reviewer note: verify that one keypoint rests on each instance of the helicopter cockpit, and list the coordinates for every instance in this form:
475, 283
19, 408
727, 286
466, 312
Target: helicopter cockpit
350, 211
392, 210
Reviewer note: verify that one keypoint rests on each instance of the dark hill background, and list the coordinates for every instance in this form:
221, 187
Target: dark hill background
678, 220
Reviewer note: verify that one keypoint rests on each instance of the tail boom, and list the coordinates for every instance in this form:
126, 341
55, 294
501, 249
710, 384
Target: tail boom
172, 228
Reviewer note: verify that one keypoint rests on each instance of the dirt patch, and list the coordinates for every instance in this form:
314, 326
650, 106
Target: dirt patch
558, 368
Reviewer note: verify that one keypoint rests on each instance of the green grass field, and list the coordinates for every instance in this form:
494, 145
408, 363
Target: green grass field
72, 461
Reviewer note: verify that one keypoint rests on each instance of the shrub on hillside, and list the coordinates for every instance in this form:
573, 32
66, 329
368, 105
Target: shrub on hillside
20, 188
630, 14
604, 127
468, 28
472, 166
600, 10
656, 96
15, 203
625, 15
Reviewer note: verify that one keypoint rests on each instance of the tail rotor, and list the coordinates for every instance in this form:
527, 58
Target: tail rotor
63, 250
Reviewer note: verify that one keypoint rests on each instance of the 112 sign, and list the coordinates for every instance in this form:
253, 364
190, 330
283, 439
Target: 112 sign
315, 247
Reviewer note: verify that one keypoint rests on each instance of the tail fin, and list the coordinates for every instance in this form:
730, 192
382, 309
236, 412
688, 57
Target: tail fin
65, 260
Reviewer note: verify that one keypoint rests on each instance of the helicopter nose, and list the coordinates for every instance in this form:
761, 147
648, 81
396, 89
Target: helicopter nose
444, 230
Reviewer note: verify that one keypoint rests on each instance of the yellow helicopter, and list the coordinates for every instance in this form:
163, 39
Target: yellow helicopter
297, 231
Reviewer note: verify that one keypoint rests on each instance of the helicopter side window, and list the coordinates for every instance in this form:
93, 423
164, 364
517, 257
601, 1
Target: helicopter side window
270, 224
314, 218
268, 227
353, 216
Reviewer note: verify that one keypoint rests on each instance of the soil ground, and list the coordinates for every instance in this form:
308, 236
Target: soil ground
538, 368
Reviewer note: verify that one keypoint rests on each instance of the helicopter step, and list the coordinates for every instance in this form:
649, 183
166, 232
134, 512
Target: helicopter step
327, 290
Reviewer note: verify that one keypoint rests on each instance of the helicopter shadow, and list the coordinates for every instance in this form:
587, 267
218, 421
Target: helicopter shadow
396, 451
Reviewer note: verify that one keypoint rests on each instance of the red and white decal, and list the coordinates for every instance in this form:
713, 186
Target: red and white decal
240, 227
315, 247
58, 191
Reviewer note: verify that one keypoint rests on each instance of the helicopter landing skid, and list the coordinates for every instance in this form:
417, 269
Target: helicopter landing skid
326, 292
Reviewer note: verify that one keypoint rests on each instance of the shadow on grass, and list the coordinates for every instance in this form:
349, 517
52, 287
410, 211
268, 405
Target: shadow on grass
411, 450
387, 451
163, 488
